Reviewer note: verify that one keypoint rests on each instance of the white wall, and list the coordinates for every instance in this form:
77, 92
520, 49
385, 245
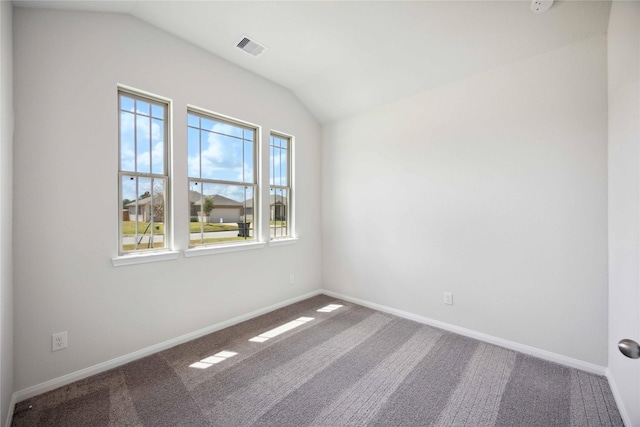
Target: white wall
6, 170
67, 65
499, 185
624, 199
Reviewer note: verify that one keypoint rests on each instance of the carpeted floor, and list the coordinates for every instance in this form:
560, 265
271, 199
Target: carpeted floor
352, 366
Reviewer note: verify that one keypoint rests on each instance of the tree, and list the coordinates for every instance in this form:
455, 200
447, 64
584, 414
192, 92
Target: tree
158, 200
207, 206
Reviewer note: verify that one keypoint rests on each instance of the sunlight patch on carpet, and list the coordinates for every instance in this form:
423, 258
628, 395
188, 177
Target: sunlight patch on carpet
329, 308
212, 360
281, 329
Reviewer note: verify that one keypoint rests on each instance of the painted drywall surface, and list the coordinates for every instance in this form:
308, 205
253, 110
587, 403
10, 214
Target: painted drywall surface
67, 66
6, 168
624, 198
493, 188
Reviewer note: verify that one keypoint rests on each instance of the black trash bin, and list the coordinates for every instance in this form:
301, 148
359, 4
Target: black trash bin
243, 229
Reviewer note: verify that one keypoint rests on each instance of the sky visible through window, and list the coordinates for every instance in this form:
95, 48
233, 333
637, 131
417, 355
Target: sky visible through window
142, 141
217, 150
278, 149
220, 151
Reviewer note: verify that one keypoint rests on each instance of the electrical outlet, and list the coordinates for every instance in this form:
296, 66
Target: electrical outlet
59, 341
448, 298
291, 281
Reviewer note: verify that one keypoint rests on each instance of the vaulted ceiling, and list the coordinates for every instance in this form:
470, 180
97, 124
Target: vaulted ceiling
341, 58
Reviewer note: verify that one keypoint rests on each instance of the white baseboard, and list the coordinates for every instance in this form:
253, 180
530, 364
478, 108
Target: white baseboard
35, 390
511, 345
626, 419
12, 403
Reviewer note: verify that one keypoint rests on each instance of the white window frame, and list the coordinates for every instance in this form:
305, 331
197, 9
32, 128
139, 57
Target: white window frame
236, 245
137, 256
290, 236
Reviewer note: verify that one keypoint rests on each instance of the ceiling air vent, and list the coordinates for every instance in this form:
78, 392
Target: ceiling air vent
250, 46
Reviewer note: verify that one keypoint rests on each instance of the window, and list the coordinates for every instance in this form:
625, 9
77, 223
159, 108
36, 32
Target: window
222, 180
280, 197
143, 173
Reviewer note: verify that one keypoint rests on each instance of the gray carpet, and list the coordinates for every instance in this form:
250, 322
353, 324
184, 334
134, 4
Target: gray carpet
349, 367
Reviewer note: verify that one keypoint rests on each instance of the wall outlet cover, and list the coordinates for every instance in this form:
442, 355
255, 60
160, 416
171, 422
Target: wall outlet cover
59, 341
448, 298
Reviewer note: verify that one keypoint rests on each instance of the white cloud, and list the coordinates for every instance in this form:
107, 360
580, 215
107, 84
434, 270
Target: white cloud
221, 156
128, 130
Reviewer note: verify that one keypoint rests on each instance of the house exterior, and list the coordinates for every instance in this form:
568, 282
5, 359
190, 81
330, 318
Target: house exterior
277, 208
224, 209
140, 210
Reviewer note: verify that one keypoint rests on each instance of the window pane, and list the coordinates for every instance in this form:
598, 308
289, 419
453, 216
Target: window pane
158, 200
128, 190
278, 212
248, 162
271, 169
142, 222
220, 213
193, 152
193, 120
142, 107
284, 171
143, 192
157, 135
277, 165
143, 140
127, 145
157, 111
221, 157
126, 103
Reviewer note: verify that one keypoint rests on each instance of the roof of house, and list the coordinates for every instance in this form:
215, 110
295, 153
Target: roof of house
218, 200
272, 201
145, 201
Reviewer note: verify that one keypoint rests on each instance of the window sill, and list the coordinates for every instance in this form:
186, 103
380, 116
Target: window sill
284, 241
212, 250
133, 259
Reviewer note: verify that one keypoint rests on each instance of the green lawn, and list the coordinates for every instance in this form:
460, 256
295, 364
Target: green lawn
194, 227
129, 227
216, 240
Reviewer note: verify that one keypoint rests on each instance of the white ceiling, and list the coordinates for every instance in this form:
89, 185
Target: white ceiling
344, 57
